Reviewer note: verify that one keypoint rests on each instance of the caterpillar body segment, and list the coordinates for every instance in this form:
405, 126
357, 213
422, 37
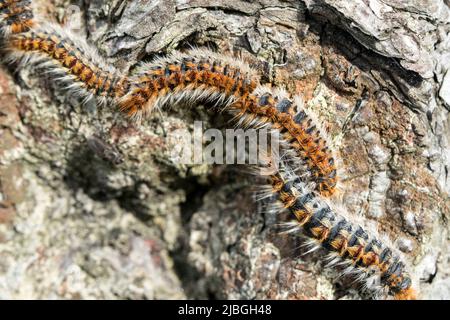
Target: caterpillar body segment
192, 77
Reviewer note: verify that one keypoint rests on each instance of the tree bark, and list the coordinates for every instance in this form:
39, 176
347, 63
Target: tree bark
92, 206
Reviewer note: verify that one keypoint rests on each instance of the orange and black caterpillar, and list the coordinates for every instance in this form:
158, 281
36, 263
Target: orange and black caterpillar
198, 75
84, 72
16, 16
350, 246
201, 75
195, 76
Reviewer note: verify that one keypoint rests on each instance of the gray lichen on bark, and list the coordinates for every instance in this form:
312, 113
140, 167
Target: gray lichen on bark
92, 206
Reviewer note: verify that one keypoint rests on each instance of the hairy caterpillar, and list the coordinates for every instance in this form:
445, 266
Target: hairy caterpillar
201, 75
197, 75
78, 67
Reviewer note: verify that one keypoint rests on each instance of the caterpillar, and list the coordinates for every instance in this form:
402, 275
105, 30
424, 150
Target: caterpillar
16, 16
350, 246
308, 174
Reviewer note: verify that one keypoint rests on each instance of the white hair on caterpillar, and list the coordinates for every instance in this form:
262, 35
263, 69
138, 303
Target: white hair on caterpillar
197, 54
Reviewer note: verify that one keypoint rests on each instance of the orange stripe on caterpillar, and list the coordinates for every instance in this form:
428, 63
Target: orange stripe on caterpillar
21, 26
93, 78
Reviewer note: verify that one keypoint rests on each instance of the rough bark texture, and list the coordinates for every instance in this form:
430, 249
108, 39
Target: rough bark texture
93, 207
